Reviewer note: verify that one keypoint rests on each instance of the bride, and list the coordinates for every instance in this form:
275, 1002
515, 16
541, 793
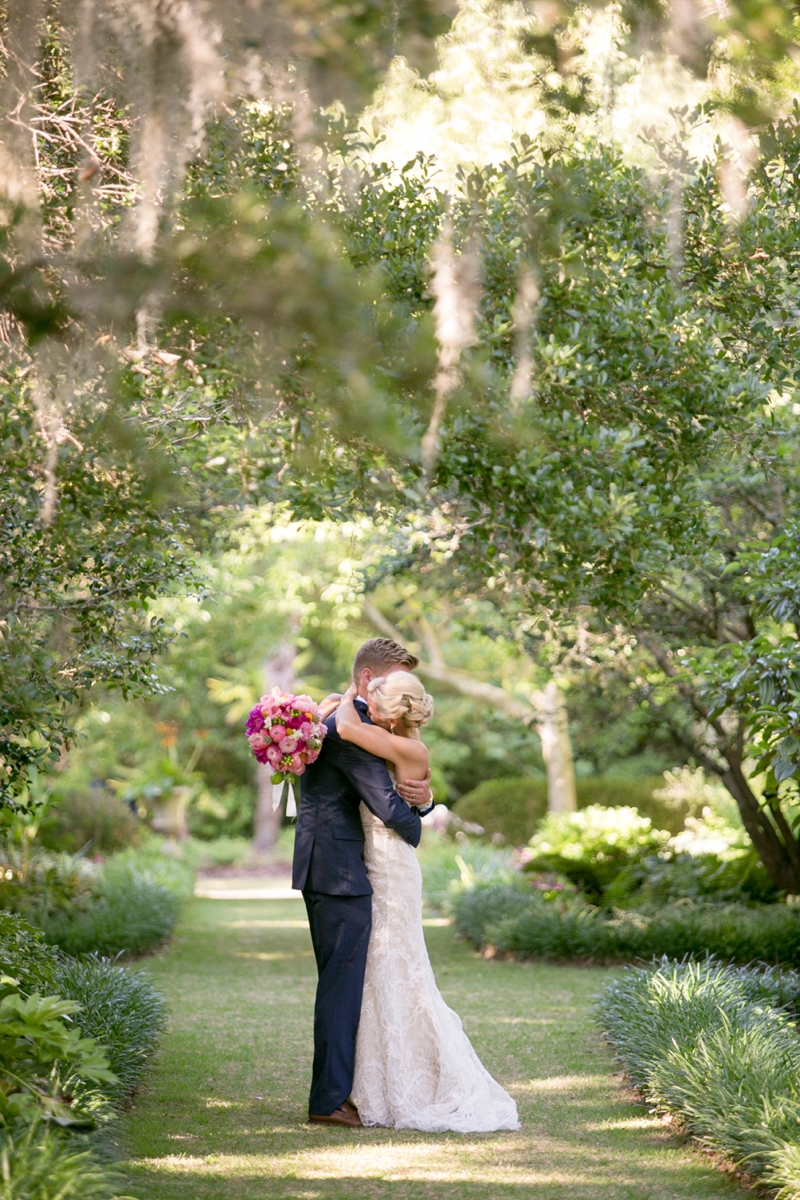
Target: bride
415, 1066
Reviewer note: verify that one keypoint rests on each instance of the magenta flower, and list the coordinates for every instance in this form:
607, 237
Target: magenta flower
285, 731
255, 722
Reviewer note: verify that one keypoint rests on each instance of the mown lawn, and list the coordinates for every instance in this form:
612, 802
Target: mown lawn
223, 1111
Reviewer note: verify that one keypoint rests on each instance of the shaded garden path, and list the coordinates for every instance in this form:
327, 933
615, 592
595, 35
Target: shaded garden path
222, 1113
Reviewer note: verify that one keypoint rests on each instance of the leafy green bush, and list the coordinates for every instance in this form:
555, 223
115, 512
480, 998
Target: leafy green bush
708, 859
38, 885
448, 866
715, 1047
123, 919
531, 926
151, 864
93, 819
134, 907
486, 905
593, 846
512, 807
225, 812
46, 1063
515, 806
75, 1037
609, 791
38, 1163
25, 956
661, 879
119, 1008
128, 904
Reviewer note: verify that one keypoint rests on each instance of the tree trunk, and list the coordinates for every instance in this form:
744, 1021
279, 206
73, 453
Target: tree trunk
779, 854
772, 839
553, 728
278, 672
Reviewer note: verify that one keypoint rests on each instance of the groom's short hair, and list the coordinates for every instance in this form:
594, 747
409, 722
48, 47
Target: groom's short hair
380, 654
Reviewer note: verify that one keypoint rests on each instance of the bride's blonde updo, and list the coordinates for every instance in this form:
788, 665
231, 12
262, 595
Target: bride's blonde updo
401, 697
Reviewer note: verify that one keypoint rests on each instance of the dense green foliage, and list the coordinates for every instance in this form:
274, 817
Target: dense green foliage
716, 1048
594, 846
133, 908
75, 1037
514, 806
75, 590
531, 923
25, 957
509, 807
40, 1164
90, 821
448, 866
126, 905
118, 1007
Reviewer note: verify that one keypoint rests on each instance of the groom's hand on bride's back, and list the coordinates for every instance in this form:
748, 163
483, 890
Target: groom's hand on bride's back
417, 791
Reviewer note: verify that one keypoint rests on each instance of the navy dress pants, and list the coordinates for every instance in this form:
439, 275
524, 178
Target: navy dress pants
340, 928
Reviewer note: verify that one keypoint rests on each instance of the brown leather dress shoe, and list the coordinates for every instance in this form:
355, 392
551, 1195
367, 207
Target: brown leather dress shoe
346, 1115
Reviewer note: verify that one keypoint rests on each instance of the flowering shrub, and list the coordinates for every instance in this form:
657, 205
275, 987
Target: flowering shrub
593, 846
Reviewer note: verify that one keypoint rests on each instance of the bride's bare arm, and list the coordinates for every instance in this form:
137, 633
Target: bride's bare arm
329, 705
409, 755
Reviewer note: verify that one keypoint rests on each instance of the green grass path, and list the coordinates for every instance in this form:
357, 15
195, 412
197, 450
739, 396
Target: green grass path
222, 1112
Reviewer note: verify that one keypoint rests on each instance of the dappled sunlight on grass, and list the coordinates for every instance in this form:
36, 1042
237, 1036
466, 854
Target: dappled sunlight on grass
629, 1123
262, 955
564, 1083
231, 1083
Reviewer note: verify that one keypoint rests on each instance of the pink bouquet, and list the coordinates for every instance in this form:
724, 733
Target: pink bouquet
286, 732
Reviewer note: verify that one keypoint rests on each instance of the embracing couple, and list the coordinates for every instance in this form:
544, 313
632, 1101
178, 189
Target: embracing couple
387, 1049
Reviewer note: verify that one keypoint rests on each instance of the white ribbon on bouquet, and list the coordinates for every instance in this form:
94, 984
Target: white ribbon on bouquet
286, 793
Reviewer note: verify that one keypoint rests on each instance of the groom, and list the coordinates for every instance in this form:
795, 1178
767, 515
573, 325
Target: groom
329, 870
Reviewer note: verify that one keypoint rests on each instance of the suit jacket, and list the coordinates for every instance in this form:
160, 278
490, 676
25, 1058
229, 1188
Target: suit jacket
329, 843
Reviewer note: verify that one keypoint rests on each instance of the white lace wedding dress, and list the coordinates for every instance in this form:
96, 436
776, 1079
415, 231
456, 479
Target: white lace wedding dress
415, 1066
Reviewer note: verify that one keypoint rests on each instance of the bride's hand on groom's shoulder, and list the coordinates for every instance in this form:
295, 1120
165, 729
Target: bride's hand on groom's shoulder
329, 705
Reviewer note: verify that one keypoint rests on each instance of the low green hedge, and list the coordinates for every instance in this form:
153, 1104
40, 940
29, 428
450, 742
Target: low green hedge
516, 920
716, 1047
514, 806
511, 807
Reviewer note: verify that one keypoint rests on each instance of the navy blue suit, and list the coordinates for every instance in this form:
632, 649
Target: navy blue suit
329, 869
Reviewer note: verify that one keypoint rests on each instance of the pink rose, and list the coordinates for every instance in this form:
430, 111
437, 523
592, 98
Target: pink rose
257, 741
298, 766
277, 733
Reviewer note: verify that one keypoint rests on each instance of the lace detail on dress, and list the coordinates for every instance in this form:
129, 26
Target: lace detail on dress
415, 1066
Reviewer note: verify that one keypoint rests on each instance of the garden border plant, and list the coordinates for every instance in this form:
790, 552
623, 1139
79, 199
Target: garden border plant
75, 1037
716, 1047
